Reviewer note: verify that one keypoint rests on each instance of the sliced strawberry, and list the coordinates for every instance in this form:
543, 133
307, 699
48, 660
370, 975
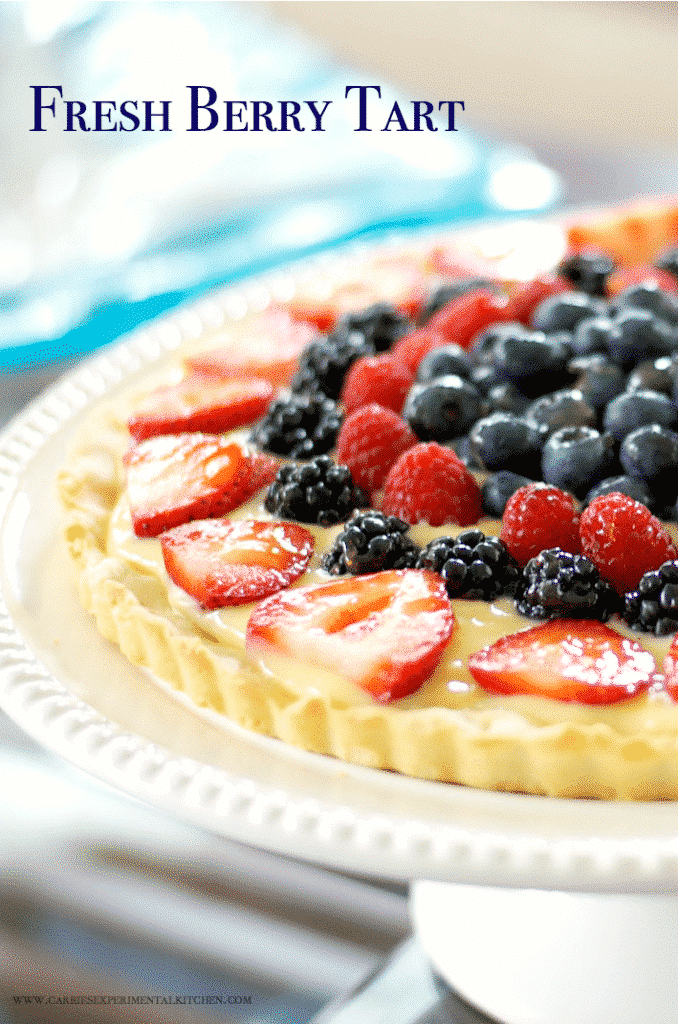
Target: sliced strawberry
567, 660
386, 631
267, 346
201, 403
222, 563
174, 478
398, 279
671, 669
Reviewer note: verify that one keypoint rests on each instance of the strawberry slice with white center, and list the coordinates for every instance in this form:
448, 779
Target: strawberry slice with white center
221, 563
201, 403
571, 660
174, 478
386, 631
267, 346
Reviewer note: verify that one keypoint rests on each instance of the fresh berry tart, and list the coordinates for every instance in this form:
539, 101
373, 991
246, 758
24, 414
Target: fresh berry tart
418, 514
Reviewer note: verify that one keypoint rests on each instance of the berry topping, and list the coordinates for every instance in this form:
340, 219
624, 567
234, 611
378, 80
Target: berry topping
201, 403
223, 563
300, 426
651, 454
318, 492
440, 409
624, 540
448, 292
430, 484
324, 363
498, 488
506, 441
587, 271
598, 379
634, 409
631, 486
637, 334
567, 660
386, 631
443, 361
381, 379
566, 408
472, 565
460, 320
537, 517
653, 607
525, 296
371, 542
174, 478
369, 442
378, 325
564, 311
535, 363
557, 584
268, 346
577, 458
671, 670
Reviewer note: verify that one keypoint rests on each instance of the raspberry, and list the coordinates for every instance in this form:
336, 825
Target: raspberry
376, 379
429, 484
370, 441
624, 540
411, 349
539, 516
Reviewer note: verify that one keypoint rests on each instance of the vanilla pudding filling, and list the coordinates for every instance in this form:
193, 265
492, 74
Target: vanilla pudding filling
451, 685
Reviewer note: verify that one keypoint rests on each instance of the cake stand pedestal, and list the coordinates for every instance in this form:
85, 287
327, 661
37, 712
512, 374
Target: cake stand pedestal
529, 956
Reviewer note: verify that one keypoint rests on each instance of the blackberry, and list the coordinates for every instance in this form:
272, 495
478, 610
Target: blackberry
557, 584
472, 565
371, 542
653, 607
324, 363
379, 326
318, 492
300, 426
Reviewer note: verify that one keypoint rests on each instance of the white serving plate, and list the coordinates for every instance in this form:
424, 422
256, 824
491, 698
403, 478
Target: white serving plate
77, 695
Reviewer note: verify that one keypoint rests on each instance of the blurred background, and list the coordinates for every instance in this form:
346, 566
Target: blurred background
566, 104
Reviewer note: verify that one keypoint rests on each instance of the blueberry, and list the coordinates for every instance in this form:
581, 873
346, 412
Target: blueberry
445, 360
486, 376
634, 409
505, 441
507, 398
629, 485
587, 271
562, 312
441, 409
597, 378
653, 375
591, 335
651, 453
637, 334
669, 261
648, 295
566, 408
531, 361
482, 347
498, 488
577, 458
448, 292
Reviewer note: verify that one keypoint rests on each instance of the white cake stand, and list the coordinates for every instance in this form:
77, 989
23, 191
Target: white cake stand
538, 911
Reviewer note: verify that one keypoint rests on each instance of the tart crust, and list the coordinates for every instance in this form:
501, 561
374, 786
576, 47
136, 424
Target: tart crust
502, 746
